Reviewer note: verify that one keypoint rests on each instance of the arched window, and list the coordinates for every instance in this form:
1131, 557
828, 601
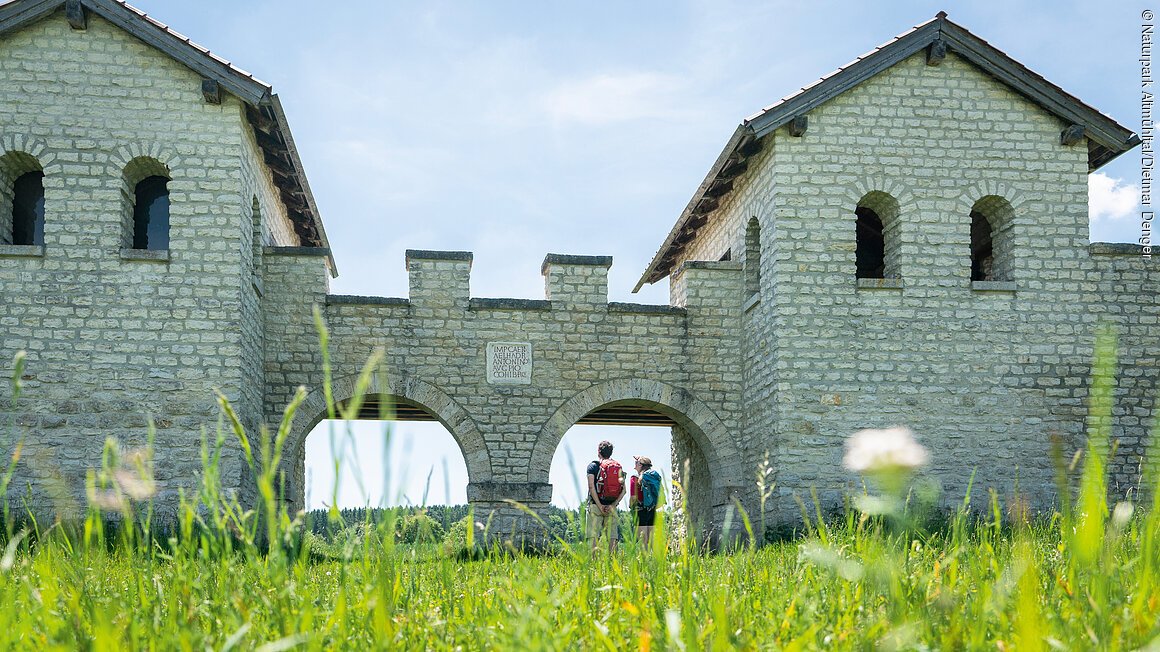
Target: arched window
28, 209
21, 199
878, 246
992, 255
752, 257
151, 213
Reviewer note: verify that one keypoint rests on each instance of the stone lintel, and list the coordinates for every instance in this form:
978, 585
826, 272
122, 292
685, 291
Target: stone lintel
645, 309
352, 300
569, 259
1115, 249
509, 304
880, 284
296, 251
428, 254
21, 251
159, 255
721, 265
993, 286
523, 492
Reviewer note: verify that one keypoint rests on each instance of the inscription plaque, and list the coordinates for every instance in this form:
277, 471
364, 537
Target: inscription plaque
509, 363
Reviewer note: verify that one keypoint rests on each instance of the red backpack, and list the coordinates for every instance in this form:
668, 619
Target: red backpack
608, 483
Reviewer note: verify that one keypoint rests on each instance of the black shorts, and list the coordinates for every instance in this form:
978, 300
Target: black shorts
645, 517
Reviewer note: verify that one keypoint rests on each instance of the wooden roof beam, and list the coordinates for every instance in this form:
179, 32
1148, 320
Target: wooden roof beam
734, 170
750, 147
936, 52
75, 13
719, 189
707, 205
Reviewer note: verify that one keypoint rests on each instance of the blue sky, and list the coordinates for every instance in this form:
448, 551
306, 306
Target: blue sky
514, 129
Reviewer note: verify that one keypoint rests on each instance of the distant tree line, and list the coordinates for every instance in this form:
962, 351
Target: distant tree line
436, 523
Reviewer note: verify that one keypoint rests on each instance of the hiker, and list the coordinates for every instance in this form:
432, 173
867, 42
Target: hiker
605, 489
647, 495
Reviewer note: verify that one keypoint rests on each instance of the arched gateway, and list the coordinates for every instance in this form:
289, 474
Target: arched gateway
508, 377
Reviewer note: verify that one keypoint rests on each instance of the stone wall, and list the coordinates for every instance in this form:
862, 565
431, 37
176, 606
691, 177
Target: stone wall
113, 335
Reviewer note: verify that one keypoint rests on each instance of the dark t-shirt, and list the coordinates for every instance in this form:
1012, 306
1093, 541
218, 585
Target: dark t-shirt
594, 471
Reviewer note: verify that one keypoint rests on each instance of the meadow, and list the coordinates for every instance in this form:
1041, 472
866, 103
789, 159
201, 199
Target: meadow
887, 573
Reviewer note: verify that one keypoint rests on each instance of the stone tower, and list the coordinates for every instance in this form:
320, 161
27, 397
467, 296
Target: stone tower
913, 230
97, 99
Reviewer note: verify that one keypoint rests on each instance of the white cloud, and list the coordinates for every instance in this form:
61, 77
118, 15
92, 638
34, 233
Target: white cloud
610, 98
1110, 199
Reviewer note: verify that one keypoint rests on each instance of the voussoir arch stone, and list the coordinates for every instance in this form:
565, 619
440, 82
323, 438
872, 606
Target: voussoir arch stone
982, 189
708, 430
28, 146
435, 401
120, 158
898, 191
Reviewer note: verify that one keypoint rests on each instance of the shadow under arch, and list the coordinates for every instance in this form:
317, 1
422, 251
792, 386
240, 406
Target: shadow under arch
704, 427
421, 394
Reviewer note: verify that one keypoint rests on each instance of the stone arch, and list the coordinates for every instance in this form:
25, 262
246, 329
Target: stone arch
864, 186
889, 196
436, 402
131, 164
878, 236
980, 190
21, 189
992, 239
996, 205
121, 160
30, 146
707, 429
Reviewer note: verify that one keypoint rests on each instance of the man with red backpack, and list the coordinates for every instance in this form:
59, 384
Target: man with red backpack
605, 489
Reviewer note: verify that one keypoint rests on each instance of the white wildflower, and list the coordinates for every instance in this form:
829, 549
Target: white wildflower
108, 500
1122, 514
891, 450
134, 484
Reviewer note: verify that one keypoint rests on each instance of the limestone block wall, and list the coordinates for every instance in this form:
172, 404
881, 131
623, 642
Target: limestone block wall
114, 335
586, 353
986, 373
1126, 296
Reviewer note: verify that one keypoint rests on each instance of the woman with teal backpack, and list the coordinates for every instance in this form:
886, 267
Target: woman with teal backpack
645, 496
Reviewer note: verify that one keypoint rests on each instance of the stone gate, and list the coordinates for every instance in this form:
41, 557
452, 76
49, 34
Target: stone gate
582, 358
905, 240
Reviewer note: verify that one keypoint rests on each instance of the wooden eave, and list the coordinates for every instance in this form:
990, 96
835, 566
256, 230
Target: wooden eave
1106, 139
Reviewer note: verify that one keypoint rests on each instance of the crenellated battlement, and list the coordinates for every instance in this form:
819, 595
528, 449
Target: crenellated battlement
576, 281
439, 278
442, 279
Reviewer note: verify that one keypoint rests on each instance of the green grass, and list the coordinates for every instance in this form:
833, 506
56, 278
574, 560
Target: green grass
972, 586
1084, 577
